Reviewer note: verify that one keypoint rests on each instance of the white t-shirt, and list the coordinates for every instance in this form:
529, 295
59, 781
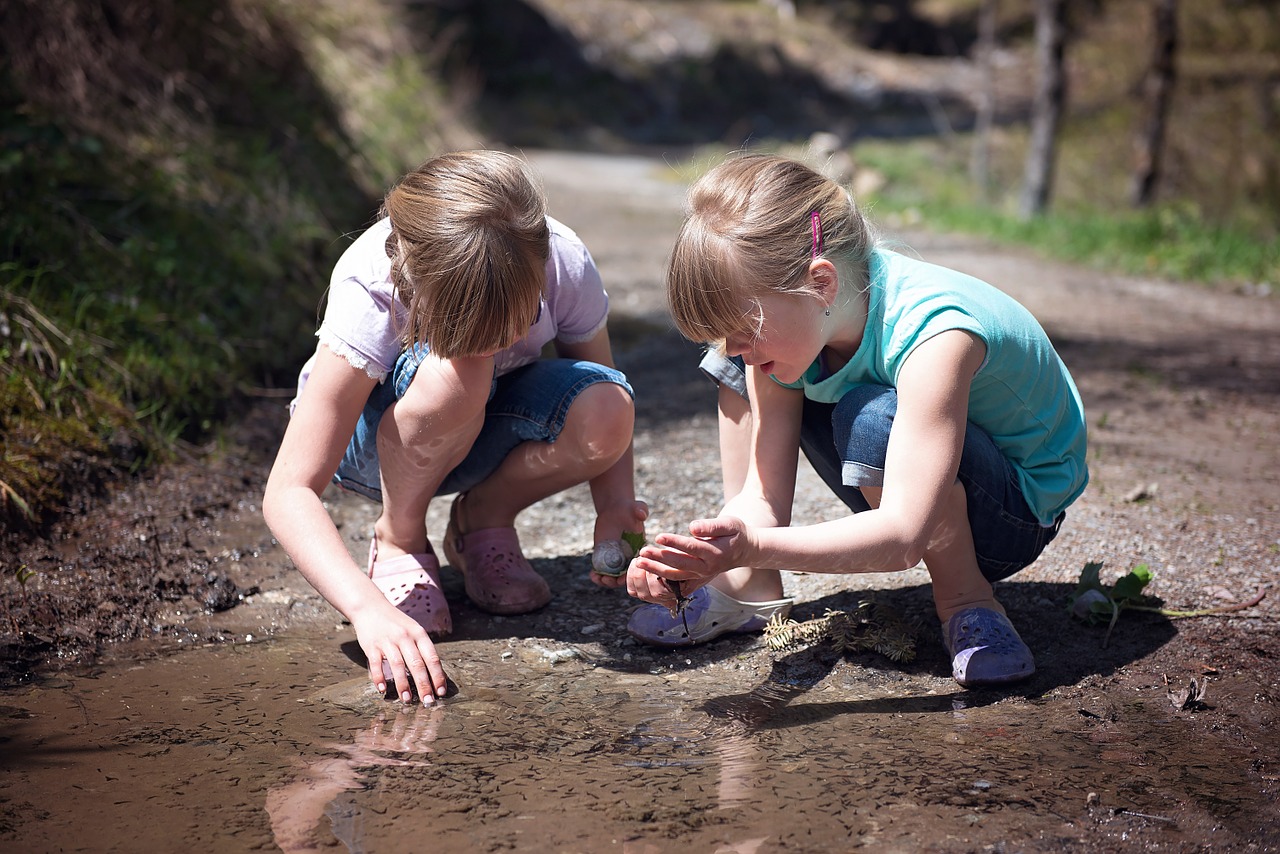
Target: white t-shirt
364, 318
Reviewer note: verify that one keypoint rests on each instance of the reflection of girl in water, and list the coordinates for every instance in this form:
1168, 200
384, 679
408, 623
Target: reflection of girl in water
298, 808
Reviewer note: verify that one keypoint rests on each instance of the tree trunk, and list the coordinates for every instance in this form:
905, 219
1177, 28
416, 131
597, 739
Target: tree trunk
980, 160
1157, 91
1051, 96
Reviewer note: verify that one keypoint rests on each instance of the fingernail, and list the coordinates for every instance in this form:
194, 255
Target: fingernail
427, 700
382, 686
406, 696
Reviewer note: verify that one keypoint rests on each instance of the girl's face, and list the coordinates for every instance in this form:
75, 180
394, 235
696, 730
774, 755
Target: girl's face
789, 336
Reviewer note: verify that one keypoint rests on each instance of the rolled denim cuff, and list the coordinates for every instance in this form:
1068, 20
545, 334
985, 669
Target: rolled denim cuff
725, 371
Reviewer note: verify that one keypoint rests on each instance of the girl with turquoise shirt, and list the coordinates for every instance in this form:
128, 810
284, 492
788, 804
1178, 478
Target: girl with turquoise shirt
933, 404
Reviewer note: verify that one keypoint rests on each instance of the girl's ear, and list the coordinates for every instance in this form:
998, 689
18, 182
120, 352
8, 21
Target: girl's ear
826, 280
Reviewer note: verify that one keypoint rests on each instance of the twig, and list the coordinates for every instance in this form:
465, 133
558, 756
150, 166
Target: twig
1205, 612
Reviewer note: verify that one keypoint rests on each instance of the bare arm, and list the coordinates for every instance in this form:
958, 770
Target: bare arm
764, 501
313, 445
923, 458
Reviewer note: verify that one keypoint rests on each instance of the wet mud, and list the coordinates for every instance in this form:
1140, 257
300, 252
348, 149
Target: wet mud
246, 724
273, 745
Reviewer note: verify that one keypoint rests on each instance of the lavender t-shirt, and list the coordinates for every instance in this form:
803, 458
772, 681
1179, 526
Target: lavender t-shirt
363, 319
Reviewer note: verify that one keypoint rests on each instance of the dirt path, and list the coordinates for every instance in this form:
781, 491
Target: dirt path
1181, 386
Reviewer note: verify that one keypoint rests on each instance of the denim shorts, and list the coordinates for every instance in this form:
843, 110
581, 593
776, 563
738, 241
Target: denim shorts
846, 443
529, 404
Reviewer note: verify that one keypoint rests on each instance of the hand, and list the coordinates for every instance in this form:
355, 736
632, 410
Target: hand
399, 650
609, 529
716, 546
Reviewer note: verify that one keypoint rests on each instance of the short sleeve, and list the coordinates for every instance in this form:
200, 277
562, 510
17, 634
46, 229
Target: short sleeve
363, 317
575, 291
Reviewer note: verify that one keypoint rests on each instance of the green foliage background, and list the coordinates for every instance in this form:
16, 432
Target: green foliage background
173, 187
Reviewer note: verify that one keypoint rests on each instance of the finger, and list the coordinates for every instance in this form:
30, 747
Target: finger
635, 578
388, 671
416, 663
638, 582
650, 588
376, 676
395, 669
662, 592
609, 581
676, 566
435, 680
680, 544
721, 526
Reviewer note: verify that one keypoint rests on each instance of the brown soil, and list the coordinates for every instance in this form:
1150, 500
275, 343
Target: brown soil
1180, 383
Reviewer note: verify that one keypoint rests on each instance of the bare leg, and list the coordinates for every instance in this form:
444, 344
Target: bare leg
597, 432
421, 438
958, 583
743, 583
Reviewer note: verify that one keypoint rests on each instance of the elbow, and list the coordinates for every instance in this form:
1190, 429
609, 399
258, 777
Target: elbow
272, 504
908, 545
912, 554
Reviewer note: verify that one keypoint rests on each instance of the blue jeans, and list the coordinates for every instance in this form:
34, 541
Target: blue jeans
529, 404
846, 443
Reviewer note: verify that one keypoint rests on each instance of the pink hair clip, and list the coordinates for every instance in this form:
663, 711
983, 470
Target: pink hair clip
815, 222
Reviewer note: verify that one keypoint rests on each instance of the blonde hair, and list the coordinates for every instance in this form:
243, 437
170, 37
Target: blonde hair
749, 231
469, 245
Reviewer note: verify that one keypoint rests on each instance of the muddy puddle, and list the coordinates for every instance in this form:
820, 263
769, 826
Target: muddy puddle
278, 744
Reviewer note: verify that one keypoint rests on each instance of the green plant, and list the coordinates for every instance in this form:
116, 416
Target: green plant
23, 574
1094, 601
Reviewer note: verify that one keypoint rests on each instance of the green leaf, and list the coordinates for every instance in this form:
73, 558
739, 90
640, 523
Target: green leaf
1130, 586
633, 539
1089, 578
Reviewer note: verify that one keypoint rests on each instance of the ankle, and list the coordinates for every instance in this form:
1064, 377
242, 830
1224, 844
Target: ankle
393, 543
755, 585
947, 610
475, 514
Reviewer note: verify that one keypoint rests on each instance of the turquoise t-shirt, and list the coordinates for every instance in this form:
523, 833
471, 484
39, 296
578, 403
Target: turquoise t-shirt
1022, 395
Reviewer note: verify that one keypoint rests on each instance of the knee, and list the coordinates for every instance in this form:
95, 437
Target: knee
862, 421
430, 417
600, 423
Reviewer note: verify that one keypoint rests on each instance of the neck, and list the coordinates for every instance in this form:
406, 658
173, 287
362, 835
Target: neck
847, 323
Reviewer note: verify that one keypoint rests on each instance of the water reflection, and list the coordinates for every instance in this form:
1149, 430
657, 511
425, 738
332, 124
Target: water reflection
655, 740
542, 756
395, 737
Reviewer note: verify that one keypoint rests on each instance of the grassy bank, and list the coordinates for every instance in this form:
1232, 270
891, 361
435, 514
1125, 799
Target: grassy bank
168, 231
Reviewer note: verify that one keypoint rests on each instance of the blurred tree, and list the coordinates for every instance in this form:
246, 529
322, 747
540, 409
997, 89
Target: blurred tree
980, 161
1157, 91
1050, 100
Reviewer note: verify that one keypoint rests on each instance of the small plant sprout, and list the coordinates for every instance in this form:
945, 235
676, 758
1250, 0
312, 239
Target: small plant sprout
1093, 601
23, 574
